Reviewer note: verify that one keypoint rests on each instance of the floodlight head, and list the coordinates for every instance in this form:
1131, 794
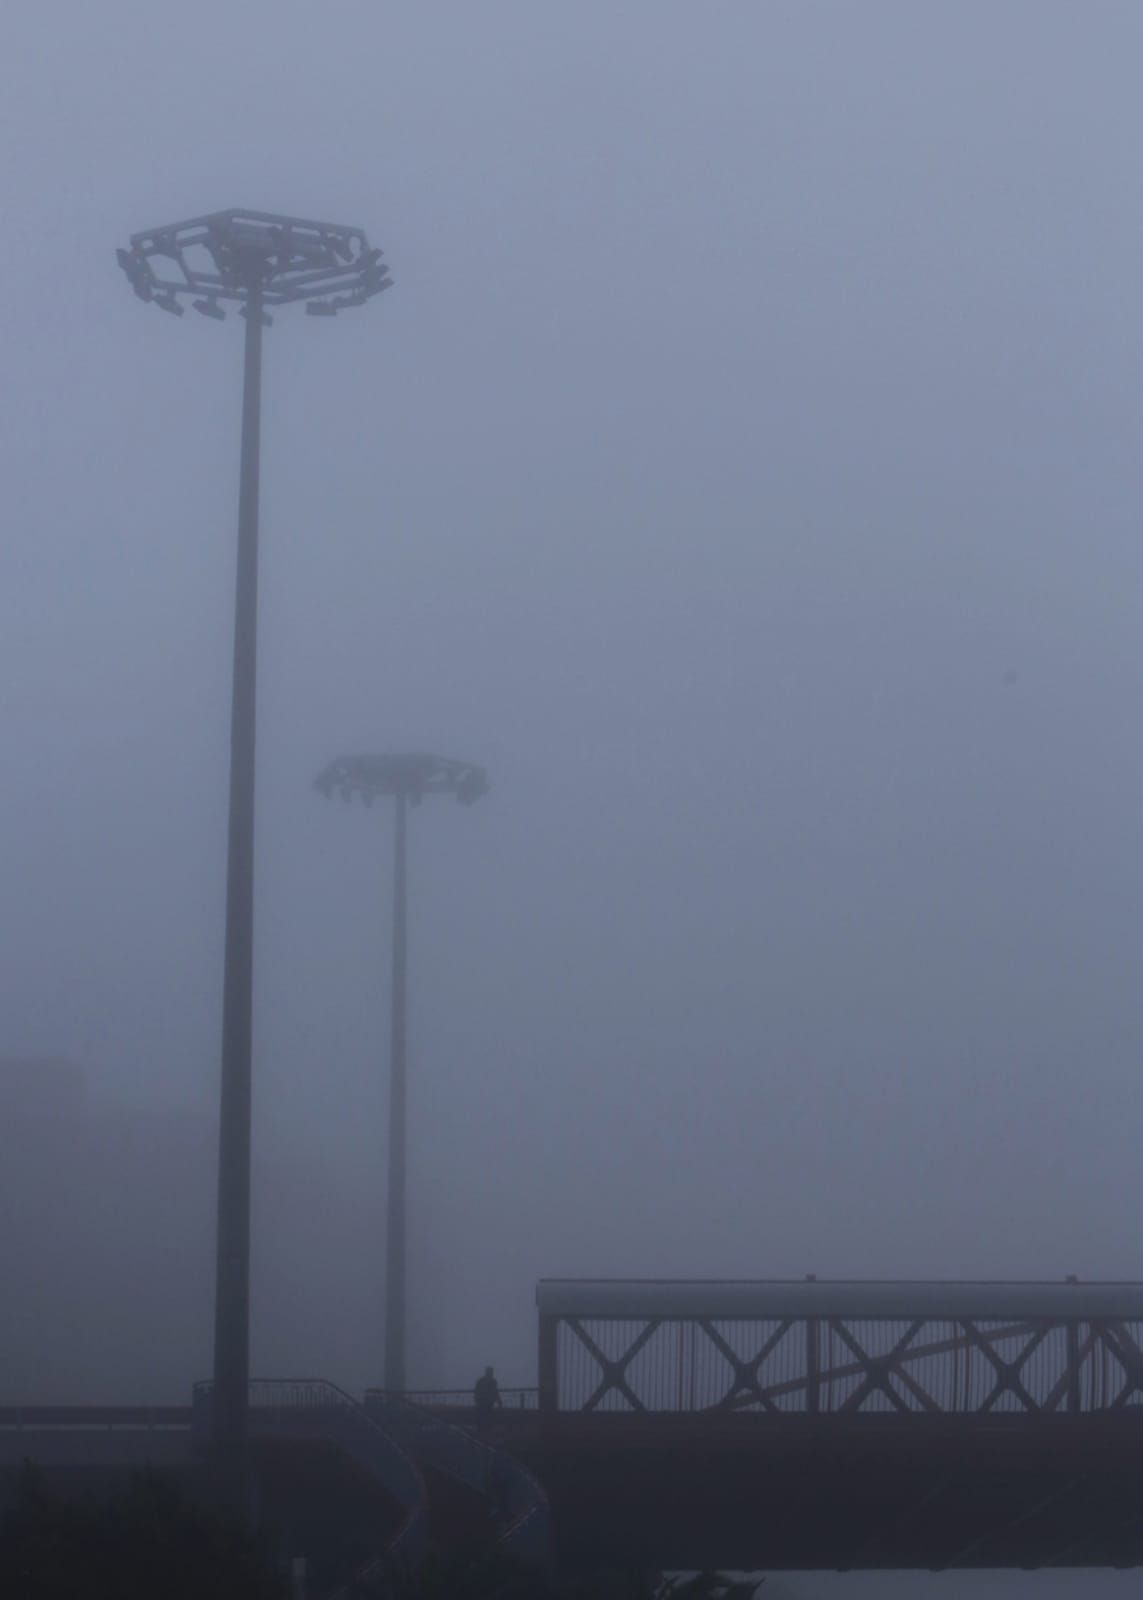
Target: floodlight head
244, 255
411, 776
210, 308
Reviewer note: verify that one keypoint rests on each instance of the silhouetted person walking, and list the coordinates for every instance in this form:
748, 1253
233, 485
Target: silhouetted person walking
486, 1396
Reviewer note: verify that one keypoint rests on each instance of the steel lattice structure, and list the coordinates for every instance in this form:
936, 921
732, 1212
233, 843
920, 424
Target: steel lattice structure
841, 1348
240, 255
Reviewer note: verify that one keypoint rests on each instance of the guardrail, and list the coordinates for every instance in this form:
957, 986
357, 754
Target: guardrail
152, 1418
518, 1399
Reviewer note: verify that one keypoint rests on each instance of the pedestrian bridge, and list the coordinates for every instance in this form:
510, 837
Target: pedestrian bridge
814, 1425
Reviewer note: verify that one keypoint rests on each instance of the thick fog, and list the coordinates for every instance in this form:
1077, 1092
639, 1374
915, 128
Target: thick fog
745, 469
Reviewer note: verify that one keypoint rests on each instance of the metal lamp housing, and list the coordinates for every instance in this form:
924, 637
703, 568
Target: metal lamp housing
233, 256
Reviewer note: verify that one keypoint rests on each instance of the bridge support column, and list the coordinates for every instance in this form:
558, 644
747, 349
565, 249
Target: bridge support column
1073, 1366
813, 1366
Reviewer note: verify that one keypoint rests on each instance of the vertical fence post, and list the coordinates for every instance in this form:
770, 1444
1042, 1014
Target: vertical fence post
813, 1365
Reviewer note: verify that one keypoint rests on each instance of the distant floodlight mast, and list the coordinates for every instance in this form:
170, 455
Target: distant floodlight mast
257, 261
408, 778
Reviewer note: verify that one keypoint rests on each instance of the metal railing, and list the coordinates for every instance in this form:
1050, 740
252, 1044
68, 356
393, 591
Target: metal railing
311, 1408
520, 1502
150, 1418
517, 1399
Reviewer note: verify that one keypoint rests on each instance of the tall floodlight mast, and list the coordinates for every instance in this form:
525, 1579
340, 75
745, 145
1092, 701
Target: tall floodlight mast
256, 261
408, 778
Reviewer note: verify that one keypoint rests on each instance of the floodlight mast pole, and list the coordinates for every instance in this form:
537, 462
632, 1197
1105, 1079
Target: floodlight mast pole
408, 779
258, 260
232, 1267
395, 1226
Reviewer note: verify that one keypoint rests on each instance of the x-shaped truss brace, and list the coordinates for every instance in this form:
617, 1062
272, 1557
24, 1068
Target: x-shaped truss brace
878, 1370
614, 1373
1008, 1379
745, 1388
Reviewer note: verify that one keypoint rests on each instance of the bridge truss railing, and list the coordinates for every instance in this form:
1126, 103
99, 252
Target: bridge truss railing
840, 1348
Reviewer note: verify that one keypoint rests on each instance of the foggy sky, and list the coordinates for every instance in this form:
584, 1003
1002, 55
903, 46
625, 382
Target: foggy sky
744, 469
